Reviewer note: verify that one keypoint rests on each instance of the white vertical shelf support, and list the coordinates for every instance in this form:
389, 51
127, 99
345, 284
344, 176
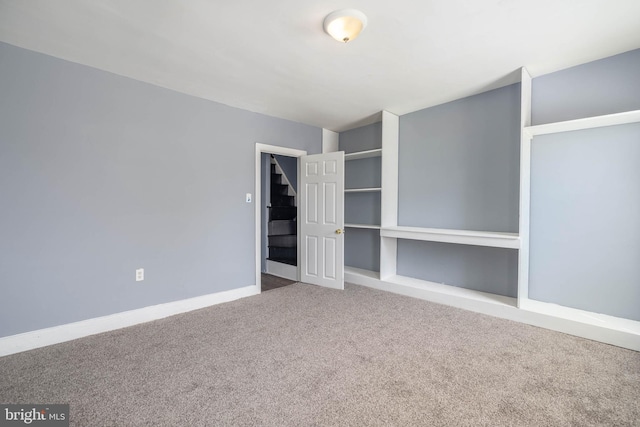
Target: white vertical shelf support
389, 194
525, 187
330, 141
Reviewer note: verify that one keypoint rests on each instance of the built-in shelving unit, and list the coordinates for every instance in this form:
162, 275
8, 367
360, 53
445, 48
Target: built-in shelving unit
363, 193
592, 325
391, 233
621, 332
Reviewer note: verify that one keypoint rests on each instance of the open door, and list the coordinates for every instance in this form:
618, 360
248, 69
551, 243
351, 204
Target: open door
321, 201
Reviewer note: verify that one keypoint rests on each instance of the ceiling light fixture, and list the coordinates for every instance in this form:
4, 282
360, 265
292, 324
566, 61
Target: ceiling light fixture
344, 25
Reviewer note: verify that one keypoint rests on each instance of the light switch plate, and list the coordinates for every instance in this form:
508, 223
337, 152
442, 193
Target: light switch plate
248, 198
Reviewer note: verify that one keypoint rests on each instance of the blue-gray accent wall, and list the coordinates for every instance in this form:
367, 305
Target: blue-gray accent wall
585, 220
364, 138
362, 208
363, 173
101, 174
459, 165
585, 190
607, 86
485, 269
362, 248
459, 168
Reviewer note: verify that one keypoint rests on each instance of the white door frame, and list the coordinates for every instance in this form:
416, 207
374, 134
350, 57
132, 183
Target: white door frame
270, 149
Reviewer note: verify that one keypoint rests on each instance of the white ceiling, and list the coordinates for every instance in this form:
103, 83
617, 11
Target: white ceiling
273, 57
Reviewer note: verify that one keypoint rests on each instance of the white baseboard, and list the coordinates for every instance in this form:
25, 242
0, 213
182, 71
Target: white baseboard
71, 331
285, 271
619, 332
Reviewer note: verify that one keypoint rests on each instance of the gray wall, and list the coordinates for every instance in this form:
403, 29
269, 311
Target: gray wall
364, 138
101, 174
458, 168
459, 163
363, 173
362, 208
585, 191
585, 220
484, 269
362, 246
610, 85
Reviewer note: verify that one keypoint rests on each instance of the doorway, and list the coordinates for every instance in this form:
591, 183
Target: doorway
320, 214
262, 199
279, 237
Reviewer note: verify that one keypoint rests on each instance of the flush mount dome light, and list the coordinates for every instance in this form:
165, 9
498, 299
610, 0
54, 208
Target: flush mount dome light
344, 25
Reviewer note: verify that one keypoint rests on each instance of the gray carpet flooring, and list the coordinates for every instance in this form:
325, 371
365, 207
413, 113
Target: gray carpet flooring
307, 356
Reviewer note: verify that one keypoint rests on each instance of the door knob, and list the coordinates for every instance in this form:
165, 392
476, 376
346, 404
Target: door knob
339, 231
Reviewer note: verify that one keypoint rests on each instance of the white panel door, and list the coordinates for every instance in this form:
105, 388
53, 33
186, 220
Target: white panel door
322, 219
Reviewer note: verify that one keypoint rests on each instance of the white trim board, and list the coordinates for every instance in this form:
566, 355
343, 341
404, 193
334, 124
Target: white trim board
389, 164
330, 141
525, 185
71, 331
279, 269
389, 193
619, 332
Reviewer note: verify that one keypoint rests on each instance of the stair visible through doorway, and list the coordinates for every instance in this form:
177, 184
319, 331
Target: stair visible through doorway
283, 230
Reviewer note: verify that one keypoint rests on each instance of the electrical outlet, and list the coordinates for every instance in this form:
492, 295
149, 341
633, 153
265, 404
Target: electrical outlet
140, 275
248, 198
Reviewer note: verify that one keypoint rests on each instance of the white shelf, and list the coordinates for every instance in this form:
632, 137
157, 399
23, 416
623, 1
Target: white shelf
369, 226
362, 190
462, 237
361, 273
363, 154
586, 123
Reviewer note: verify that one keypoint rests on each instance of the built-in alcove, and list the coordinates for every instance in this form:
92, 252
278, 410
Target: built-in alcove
362, 204
538, 223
